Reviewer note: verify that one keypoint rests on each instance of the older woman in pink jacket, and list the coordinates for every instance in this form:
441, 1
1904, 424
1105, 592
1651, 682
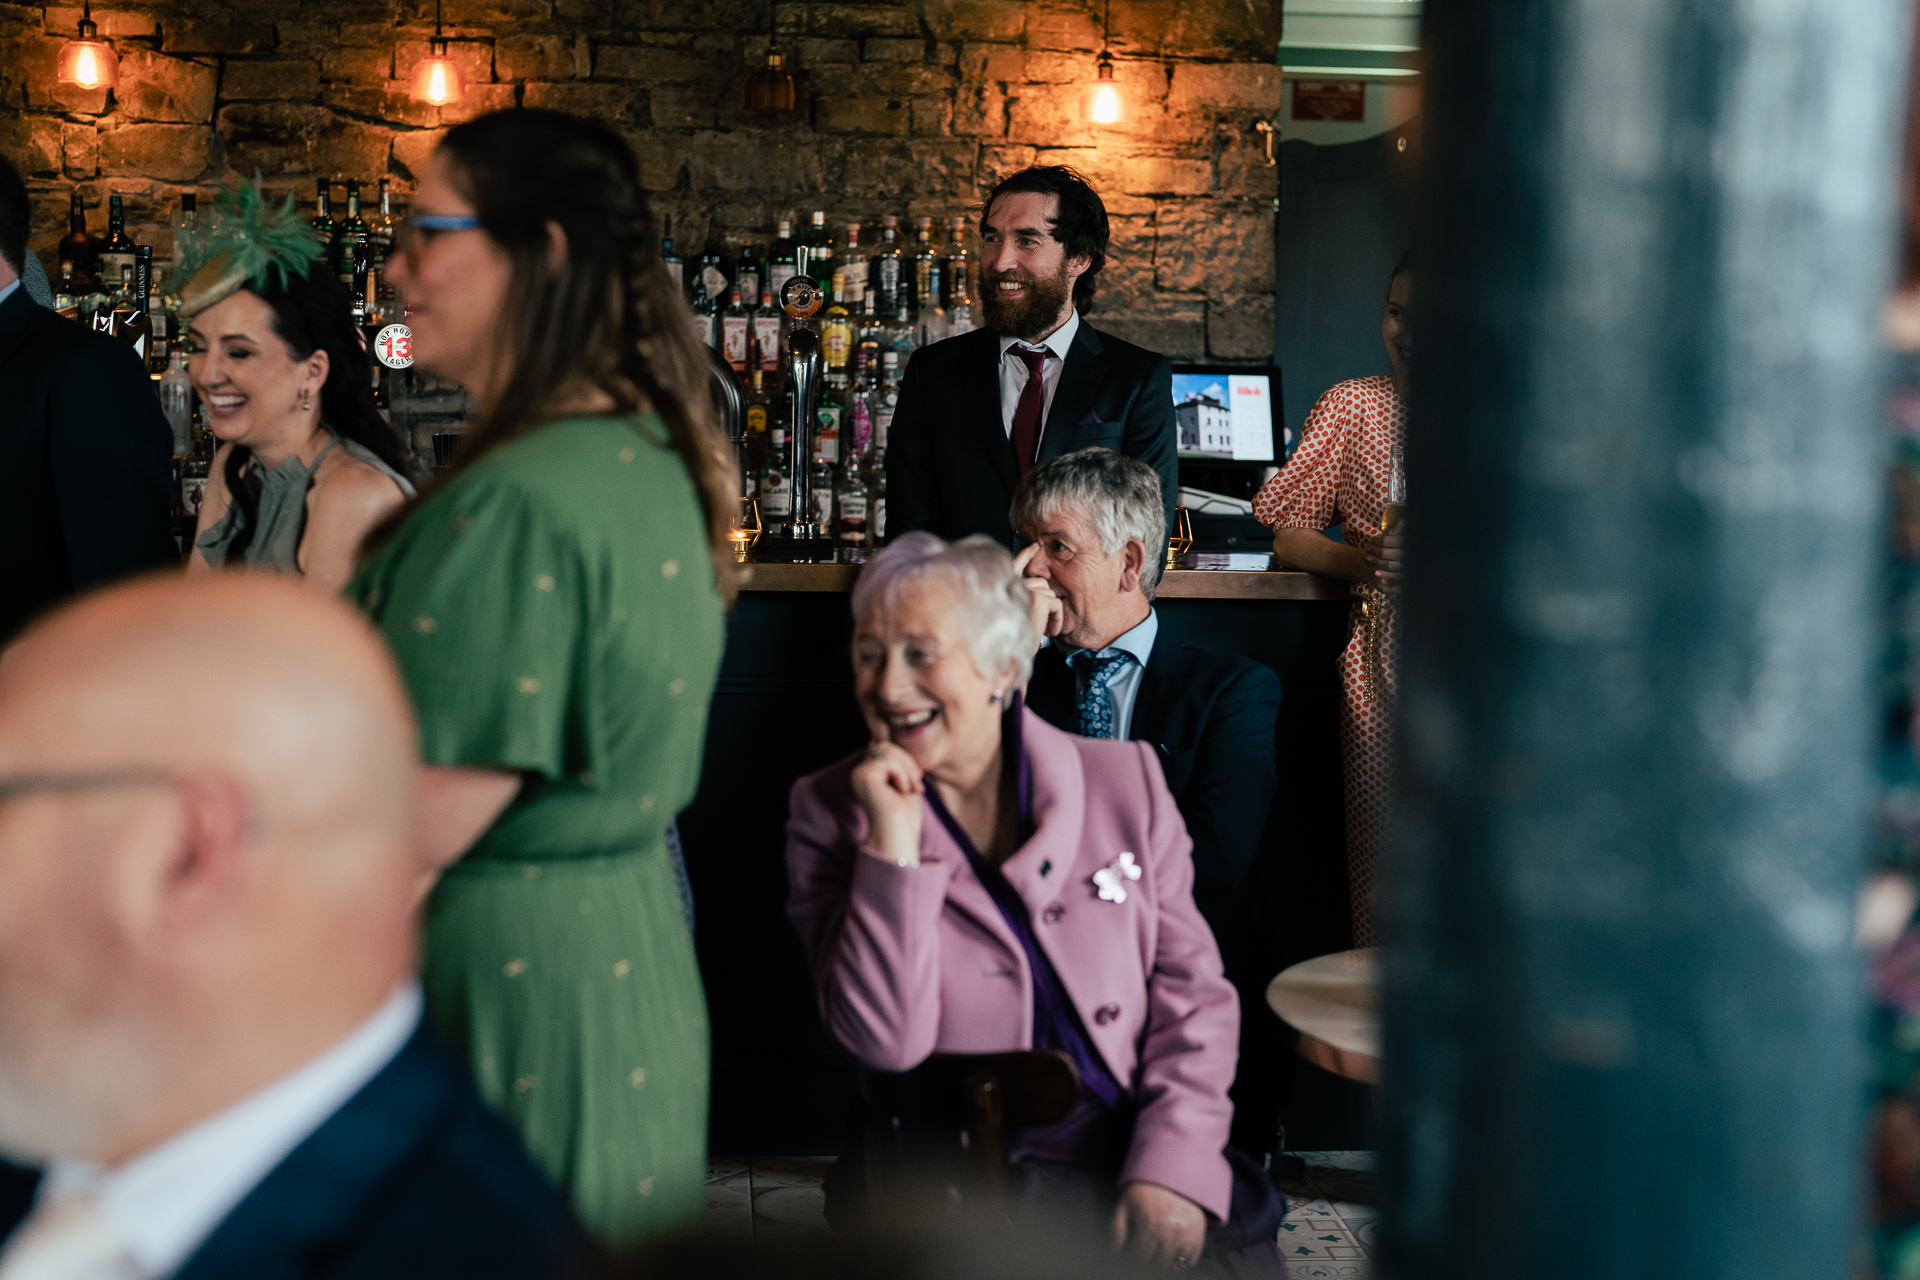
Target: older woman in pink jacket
978, 881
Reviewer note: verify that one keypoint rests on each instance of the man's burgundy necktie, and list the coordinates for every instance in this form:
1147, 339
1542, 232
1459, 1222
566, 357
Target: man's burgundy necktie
1026, 414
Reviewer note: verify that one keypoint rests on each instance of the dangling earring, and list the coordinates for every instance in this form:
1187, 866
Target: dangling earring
306, 401
995, 699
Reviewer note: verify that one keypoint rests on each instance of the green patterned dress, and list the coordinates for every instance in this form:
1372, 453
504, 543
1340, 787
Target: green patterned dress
553, 611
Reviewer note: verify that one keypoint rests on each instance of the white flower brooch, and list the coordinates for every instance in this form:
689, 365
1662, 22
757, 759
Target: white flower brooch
1112, 880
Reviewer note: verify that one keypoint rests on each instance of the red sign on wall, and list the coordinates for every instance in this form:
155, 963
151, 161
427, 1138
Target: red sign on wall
1333, 101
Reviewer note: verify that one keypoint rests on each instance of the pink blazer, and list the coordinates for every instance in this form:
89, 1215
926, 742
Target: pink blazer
911, 961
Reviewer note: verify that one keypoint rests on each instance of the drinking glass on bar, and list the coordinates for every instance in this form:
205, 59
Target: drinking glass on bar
1395, 508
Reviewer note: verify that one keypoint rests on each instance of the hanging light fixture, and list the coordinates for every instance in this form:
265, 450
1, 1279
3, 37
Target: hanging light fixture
437, 79
1104, 102
88, 61
771, 87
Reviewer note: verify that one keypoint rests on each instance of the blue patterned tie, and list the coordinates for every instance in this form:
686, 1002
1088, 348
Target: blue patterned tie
1096, 672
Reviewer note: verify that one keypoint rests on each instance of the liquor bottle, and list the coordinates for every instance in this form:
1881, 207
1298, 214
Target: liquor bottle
117, 252
881, 406
736, 327
930, 326
748, 271
359, 255
775, 489
767, 320
826, 435
346, 233
819, 256
756, 410
858, 420
381, 228
820, 478
193, 477
924, 260
884, 275
836, 339
118, 314
186, 224
65, 300
850, 506
850, 273
79, 249
713, 269
176, 401
158, 334
866, 348
706, 312
322, 220
670, 258
782, 265
959, 272
900, 331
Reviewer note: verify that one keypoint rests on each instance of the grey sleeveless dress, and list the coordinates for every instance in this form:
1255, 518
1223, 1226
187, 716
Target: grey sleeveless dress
282, 520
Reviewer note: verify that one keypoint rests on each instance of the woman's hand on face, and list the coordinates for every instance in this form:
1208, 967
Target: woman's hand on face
1162, 1226
888, 785
1043, 607
1384, 556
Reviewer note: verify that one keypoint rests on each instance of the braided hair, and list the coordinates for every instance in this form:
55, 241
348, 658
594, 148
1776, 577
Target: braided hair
607, 317
315, 313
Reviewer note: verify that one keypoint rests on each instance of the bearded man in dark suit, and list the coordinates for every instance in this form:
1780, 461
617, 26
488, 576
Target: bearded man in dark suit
978, 411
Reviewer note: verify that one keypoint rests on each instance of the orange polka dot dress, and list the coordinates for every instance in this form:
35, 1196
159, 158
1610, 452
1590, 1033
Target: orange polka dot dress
1338, 475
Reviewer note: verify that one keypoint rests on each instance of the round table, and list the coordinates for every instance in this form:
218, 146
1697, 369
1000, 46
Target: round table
1329, 1000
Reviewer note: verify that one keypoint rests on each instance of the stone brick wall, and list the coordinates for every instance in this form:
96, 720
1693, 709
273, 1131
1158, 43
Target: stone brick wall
907, 106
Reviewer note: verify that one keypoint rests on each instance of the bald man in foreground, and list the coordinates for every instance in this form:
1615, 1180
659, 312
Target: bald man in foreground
210, 1035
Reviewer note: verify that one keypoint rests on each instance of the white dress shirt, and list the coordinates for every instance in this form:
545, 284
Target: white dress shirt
1013, 372
1123, 687
164, 1203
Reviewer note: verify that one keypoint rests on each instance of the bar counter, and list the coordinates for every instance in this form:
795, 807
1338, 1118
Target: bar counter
783, 707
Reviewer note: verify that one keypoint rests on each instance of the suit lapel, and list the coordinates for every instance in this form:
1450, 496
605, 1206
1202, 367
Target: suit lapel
983, 414
15, 314
1157, 683
323, 1190
1051, 691
1080, 382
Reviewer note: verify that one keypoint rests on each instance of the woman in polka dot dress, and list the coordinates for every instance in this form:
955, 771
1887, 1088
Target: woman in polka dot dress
1338, 475
555, 604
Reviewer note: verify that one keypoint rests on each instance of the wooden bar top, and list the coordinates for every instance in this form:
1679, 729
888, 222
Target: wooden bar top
1175, 584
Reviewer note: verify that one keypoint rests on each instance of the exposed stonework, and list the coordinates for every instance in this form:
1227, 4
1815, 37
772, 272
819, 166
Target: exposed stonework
907, 106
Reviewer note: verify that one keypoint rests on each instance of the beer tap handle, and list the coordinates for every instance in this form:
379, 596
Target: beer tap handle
801, 299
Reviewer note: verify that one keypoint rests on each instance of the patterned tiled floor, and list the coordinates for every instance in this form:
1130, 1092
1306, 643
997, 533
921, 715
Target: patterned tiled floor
1328, 1233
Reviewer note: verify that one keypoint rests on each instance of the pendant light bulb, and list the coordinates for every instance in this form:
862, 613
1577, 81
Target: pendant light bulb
437, 79
1104, 102
88, 61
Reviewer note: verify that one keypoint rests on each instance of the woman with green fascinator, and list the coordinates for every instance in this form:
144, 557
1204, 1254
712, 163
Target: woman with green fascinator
306, 465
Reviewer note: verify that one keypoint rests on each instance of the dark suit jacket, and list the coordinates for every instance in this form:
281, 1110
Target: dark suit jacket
86, 479
950, 466
412, 1179
1210, 717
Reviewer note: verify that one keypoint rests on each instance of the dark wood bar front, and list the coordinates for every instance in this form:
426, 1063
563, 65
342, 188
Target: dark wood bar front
784, 708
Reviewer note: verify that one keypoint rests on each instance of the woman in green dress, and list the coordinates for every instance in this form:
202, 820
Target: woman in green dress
556, 607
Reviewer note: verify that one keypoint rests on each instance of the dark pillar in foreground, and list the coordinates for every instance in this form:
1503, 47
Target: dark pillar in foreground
1623, 1015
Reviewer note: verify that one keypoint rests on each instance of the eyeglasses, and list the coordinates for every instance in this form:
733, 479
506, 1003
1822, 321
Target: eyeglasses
28, 784
416, 232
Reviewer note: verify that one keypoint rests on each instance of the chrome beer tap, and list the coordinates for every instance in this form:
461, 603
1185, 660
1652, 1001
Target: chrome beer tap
800, 298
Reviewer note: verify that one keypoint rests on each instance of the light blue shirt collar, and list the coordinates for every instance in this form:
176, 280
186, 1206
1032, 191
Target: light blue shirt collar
8, 291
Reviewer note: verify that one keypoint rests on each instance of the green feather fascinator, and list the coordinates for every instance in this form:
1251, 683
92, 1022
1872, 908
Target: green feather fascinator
247, 242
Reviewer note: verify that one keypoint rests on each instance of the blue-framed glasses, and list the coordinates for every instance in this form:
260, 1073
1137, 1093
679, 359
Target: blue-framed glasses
417, 231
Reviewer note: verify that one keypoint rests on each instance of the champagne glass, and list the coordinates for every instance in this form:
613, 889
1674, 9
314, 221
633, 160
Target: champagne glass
745, 529
1396, 504
1180, 539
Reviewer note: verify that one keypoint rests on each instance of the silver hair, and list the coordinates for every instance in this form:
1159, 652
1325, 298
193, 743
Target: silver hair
1119, 496
990, 604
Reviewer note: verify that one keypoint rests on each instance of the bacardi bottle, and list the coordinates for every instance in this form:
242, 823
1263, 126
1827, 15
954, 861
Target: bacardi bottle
776, 490
713, 263
748, 271
706, 313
